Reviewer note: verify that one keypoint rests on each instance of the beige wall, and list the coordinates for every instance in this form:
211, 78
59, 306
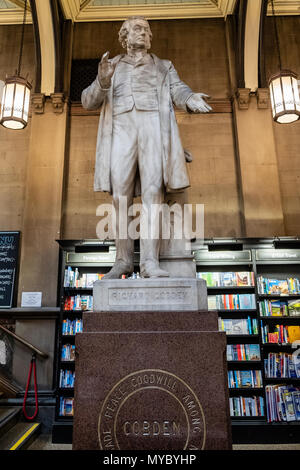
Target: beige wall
287, 137
14, 144
198, 50
196, 47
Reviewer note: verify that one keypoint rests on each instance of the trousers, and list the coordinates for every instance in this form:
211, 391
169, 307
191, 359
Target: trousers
137, 147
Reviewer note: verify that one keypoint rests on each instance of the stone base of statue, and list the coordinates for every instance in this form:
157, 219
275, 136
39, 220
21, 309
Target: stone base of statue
151, 381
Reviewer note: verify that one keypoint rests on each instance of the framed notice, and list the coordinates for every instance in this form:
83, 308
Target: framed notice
9, 253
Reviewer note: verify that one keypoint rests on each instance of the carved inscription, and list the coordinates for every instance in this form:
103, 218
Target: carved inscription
142, 296
151, 410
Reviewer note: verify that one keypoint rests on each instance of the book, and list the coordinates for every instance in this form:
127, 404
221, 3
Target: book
278, 286
240, 326
227, 279
246, 379
254, 352
296, 399
212, 302
293, 333
289, 404
294, 307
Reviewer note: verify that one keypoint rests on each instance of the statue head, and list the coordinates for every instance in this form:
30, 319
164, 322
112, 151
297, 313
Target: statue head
135, 33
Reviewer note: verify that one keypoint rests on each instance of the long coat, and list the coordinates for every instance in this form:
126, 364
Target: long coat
170, 90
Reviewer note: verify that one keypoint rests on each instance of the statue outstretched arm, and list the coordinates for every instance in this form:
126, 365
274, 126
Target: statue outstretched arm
184, 98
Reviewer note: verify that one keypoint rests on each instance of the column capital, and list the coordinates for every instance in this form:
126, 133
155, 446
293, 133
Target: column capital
243, 97
262, 95
58, 101
38, 103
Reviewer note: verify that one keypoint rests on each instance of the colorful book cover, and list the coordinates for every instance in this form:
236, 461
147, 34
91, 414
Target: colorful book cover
243, 278
275, 308
293, 333
247, 301
296, 399
212, 302
228, 279
90, 279
289, 404
283, 287
246, 378
254, 352
273, 286
294, 307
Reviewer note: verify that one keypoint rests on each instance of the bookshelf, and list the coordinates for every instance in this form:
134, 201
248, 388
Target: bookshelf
86, 261
257, 256
266, 258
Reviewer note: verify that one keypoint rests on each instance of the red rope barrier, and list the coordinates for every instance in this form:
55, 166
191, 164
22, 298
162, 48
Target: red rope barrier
32, 366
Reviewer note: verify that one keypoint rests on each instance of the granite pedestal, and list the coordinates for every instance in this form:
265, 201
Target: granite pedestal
151, 381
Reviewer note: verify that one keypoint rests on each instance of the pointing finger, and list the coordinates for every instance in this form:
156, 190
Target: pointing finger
105, 56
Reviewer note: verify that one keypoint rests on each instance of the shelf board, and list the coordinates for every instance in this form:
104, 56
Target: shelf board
288, 380
282, 319
237, 310
248, 418
241, 336
79, 289
68, 363
251, 390
75, 311
231, 288
67, 418
66, 391
244, 362
279, 296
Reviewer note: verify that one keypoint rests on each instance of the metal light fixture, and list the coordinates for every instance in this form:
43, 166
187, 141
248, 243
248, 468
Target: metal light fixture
16, 94
284, 90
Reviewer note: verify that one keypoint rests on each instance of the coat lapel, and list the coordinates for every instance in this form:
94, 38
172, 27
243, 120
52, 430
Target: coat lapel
161, 69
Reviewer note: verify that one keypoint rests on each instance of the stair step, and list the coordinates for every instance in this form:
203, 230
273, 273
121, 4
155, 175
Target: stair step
20, 436
8, 418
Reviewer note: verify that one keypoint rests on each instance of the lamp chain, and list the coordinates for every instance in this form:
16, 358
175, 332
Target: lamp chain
276, 35
22, 39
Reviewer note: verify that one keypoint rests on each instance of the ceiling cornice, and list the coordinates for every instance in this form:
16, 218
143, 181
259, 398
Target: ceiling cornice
284, 7
70, 8
82, 11
226, 7
156, 11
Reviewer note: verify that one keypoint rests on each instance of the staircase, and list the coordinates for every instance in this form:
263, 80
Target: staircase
16, 434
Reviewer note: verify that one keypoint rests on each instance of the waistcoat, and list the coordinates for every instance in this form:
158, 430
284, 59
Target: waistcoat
135, 85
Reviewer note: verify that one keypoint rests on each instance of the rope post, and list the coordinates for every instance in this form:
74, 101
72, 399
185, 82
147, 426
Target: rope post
32, 366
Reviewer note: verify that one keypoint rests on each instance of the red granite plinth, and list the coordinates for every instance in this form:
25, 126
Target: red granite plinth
150, 321
159, 384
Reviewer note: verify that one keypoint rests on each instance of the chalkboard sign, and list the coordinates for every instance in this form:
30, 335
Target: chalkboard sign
9, 251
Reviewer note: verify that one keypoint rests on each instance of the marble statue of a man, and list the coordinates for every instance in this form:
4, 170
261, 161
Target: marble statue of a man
138, 147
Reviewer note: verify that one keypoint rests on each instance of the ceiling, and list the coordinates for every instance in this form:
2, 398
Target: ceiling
106, 10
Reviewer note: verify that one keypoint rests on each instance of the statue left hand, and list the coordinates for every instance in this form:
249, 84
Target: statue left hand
197, 104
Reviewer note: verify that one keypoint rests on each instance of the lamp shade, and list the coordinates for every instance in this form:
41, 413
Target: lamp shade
284, 95
15, 103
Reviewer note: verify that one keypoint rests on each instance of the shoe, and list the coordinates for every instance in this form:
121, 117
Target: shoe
118, 269
153, 270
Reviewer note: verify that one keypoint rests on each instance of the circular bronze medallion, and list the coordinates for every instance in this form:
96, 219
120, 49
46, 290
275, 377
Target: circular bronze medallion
151, 409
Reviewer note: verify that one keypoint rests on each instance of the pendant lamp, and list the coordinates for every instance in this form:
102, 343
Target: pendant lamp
284, 92
16, 94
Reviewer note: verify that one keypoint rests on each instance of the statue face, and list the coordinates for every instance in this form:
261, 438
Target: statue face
139, 35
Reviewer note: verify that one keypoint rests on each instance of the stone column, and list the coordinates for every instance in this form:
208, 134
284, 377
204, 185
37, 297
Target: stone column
43, 198
257, 161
